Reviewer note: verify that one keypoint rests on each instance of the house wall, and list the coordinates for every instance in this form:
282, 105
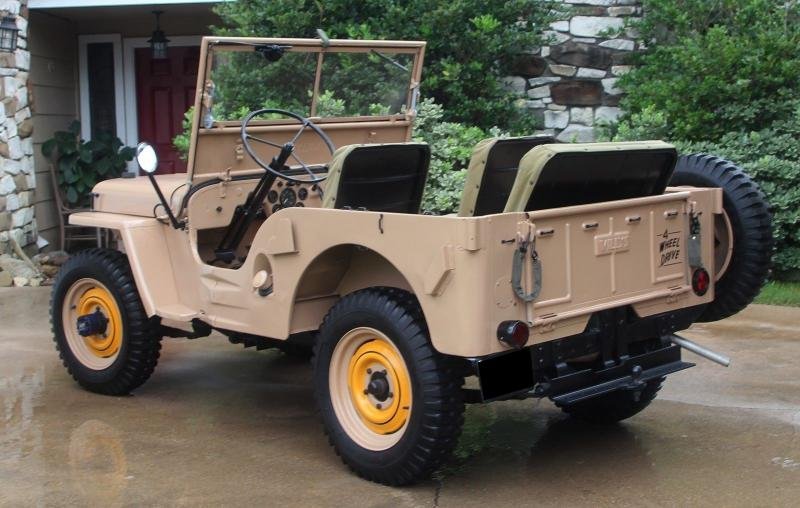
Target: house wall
17, 179
53, 46
569, 83
54, 76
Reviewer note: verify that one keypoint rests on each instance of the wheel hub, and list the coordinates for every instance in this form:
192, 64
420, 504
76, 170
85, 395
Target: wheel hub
96, 321
92, 324
378, 386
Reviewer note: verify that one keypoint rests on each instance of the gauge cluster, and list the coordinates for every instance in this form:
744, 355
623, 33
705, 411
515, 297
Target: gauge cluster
289, 194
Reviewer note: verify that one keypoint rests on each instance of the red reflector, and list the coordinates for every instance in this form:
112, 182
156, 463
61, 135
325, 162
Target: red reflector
700, 281
513, 333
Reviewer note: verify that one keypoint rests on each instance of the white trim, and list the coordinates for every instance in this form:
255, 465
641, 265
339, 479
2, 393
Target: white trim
54, 4
129, 46
83, 84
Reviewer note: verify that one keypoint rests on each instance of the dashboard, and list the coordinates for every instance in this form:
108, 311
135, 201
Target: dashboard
285, 194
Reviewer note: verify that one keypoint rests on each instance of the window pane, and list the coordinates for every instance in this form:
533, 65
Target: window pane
245, 81
364, 84
100, 64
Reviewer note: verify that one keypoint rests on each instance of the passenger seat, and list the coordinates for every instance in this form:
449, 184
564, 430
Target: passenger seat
378, 177
491, 173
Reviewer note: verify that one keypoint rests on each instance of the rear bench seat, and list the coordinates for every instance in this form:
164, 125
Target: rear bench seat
567, 174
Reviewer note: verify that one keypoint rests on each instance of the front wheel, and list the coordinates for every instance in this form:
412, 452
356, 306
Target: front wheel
101, 330
391, 405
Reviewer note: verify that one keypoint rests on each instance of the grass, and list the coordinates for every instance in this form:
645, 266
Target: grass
780, 293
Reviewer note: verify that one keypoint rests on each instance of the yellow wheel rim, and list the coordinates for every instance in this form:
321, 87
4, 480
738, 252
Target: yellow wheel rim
99, 299
87, 296
370, 388
377, 362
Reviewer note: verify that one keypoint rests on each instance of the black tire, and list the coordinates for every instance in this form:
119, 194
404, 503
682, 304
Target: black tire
751, 223
140, 340
437, 406
615, 406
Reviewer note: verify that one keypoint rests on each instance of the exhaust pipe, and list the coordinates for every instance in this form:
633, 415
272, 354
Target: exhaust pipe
700, 350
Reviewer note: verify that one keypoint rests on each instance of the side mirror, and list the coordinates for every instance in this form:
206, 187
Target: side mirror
148, 161
147, 158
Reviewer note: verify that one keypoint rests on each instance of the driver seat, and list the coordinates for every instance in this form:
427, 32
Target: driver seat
386, 177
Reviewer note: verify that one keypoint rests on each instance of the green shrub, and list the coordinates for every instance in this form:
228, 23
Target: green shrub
714, 67
721, 77
472, 44
182, 141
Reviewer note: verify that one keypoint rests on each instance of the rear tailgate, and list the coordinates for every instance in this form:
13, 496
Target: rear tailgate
605, 255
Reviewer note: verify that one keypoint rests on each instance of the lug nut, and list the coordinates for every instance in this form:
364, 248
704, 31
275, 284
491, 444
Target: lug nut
369, 371
378, 406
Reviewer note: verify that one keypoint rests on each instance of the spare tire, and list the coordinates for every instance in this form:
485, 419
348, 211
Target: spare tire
743, 240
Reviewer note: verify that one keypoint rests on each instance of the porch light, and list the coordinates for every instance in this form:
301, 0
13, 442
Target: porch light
159, 43
8, 34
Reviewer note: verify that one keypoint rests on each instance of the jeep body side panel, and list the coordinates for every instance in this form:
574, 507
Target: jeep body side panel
593, 257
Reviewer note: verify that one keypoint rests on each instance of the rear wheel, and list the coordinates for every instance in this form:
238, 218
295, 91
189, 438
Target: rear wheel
101, 331
742, 234
391, 405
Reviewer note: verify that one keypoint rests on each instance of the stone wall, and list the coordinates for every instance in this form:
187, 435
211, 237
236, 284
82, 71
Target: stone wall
570, 83
17, 179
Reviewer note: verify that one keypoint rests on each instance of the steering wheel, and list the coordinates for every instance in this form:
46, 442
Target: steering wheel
287, 149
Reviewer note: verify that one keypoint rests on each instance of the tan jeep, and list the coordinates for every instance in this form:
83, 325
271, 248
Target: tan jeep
565, 274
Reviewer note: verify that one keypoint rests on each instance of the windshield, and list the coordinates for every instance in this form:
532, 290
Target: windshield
316, 82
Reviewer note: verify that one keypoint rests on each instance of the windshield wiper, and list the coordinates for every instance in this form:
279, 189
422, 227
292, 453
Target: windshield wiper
390, 60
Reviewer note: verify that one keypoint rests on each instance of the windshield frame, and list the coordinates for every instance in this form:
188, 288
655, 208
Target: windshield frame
211, 45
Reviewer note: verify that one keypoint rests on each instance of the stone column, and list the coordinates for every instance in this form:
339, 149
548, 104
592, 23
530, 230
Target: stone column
570, 82
17, 177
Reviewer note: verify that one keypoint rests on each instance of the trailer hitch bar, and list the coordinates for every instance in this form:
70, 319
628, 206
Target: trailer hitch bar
700, 350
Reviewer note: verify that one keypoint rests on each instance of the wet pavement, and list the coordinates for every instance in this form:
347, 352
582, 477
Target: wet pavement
218, 425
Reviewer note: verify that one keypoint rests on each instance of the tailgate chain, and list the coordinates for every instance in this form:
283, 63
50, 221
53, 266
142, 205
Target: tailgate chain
516, 270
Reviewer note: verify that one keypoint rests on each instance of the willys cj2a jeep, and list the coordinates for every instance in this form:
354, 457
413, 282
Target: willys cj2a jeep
565, 273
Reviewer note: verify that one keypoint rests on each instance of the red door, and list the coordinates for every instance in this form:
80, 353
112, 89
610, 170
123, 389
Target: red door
164, 91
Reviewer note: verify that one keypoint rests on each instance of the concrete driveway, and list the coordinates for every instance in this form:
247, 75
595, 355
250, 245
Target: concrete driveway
218, 425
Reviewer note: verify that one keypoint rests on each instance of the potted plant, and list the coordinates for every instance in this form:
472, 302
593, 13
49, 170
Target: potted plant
80, 164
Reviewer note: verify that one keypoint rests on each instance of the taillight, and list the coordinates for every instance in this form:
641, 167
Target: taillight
513, 333
700, 281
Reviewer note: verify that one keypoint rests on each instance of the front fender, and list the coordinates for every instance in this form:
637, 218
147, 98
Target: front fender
145, 243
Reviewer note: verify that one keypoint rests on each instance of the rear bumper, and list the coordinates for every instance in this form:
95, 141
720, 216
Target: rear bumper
631, 374
617, 351
514, 375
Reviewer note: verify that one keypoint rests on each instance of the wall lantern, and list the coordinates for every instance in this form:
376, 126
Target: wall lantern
8, 34
158, 42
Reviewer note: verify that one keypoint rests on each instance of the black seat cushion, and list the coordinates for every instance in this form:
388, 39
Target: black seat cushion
578, 178
384, 178
502, 164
